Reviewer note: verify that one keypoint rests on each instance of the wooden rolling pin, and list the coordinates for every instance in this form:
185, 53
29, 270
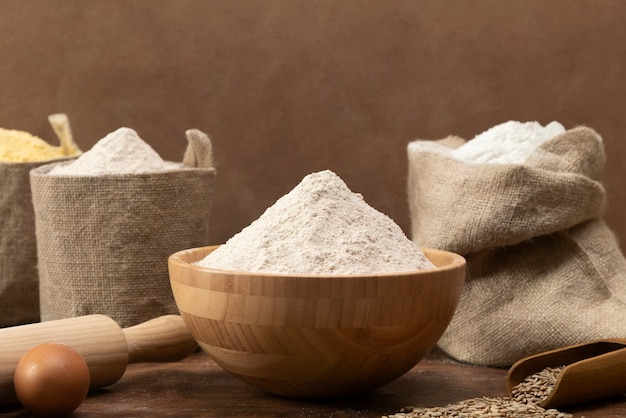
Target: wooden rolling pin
105, 346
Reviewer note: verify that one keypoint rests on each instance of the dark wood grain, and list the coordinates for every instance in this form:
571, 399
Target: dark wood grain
197, 387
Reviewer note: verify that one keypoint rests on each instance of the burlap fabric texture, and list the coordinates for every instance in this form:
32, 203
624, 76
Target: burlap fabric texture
103, 241
543, 269
19, 285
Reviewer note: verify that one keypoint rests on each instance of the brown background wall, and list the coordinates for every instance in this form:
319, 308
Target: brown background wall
288, 87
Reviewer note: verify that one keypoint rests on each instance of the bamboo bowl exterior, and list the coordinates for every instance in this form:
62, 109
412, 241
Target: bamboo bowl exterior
316, 336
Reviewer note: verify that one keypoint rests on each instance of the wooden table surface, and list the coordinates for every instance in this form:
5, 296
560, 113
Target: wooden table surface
197, 387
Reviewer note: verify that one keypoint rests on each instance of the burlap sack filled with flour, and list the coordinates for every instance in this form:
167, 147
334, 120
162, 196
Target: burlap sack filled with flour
544, 270
103, 240
19, 284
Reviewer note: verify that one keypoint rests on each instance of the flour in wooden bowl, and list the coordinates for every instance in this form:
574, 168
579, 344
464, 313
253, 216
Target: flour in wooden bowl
320, 227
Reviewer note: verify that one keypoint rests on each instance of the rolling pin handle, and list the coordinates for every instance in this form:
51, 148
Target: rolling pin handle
161, 339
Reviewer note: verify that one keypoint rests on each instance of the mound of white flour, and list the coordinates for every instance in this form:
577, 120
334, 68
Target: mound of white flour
120, 152
510, 142
320, 227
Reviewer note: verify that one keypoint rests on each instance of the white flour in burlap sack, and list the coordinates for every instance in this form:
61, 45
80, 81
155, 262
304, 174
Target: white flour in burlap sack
120, 152
510, 142
320, 227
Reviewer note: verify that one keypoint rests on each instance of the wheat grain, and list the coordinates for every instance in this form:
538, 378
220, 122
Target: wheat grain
524, 402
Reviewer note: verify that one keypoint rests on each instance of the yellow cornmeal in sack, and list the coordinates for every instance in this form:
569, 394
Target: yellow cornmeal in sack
20, 146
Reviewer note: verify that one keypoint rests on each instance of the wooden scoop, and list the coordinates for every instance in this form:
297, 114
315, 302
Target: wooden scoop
105, 346
593, 370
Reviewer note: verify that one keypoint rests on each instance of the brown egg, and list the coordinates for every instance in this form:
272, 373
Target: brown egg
51, 380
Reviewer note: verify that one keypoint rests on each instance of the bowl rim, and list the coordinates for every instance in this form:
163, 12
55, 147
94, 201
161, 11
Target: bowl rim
458, 261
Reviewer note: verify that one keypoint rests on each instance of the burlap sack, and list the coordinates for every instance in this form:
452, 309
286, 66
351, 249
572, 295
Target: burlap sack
19, 287
19, 284
544, 270
103, 241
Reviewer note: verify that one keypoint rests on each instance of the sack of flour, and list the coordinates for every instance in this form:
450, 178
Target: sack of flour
544, 270
107, 222
21, 152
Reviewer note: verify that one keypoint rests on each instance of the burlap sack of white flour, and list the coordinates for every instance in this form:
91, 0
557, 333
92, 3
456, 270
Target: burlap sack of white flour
103, 241
544, 270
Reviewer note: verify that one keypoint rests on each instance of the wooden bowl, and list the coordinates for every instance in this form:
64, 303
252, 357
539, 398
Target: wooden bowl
316, 336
